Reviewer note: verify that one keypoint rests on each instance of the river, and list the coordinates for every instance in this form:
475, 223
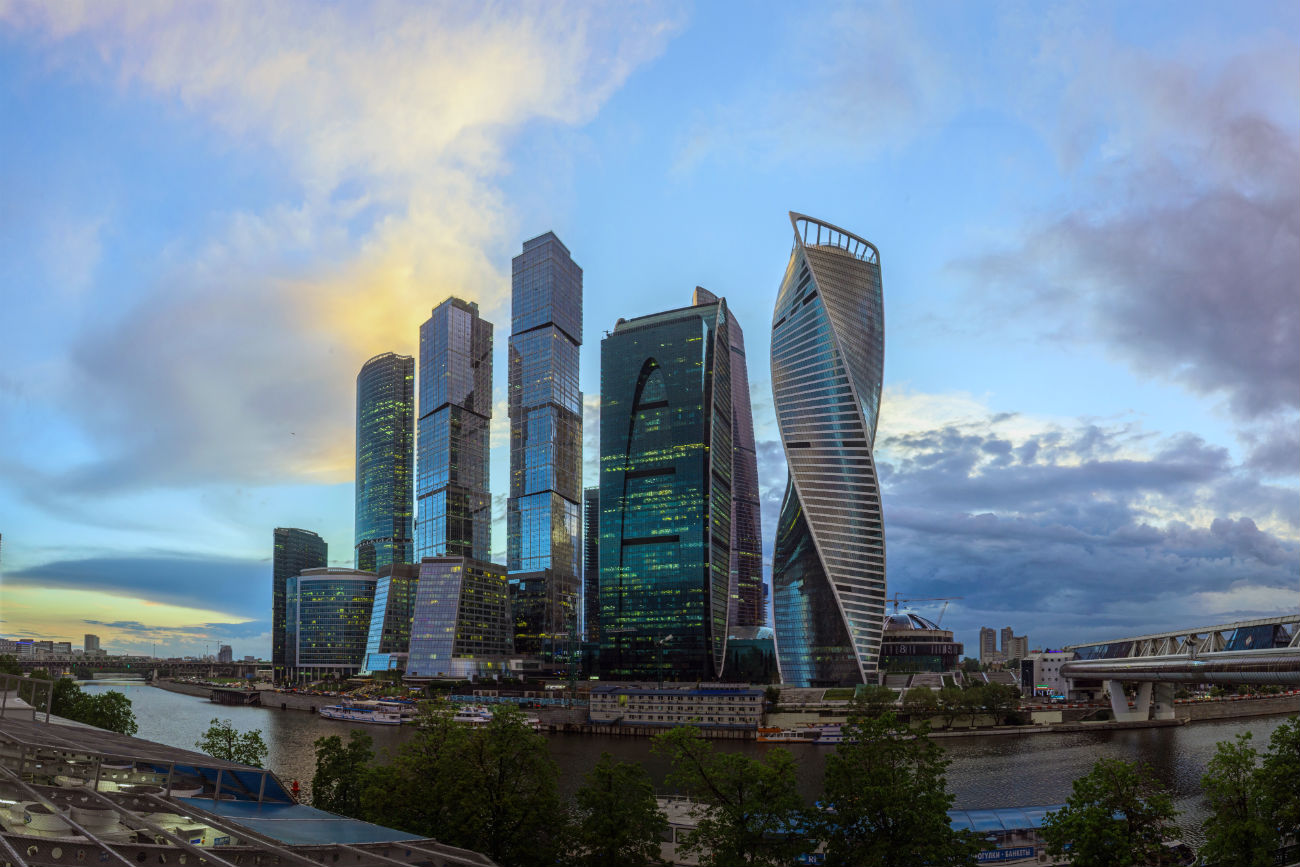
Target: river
985, 772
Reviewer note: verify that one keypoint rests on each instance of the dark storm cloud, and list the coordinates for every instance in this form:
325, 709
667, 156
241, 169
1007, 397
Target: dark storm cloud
1075, 534
1181, 252
240, 587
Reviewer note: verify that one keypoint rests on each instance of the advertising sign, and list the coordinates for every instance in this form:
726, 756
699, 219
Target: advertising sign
997, 856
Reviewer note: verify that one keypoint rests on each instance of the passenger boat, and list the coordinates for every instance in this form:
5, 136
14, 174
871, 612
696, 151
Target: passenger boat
787, 736
477, 715
368, 712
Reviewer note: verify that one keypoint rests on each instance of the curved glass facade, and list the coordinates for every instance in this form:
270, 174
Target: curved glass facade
327, 621
828, 349
385, 453
665, 495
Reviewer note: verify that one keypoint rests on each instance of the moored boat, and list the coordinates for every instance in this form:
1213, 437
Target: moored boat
369, 712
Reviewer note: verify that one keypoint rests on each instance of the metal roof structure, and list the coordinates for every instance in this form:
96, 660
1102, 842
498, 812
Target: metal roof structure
72, 793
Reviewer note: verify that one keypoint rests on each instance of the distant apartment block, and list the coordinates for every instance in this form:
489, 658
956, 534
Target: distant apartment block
707, 707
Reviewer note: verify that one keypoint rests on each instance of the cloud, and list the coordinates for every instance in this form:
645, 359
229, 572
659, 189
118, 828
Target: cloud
393, 121
176, 579
852, 78
1069, 529
1181, 251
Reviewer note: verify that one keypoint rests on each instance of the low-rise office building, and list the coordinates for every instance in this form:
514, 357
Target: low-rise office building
1040, 673
716, 706
327, 619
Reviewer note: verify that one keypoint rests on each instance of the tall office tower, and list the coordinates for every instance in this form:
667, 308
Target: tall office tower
327, 619
828, 353
988, 644
746, 527
665, 495
385, 452
543, 524
453, 505
390, 619
225, 654
462, 626
90, 643
295, 550
591, 563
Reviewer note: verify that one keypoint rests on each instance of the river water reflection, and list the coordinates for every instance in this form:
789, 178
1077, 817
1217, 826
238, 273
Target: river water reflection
986, 771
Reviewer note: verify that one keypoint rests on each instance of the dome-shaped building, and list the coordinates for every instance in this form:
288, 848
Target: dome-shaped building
910, 643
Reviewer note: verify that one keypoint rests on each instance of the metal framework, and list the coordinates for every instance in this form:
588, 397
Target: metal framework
1201, 639
66, 771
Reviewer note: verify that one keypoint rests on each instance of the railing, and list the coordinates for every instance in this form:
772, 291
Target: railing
19, 681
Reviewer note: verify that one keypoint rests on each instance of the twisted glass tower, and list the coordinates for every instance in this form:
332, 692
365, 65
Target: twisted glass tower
828, 353
385, 443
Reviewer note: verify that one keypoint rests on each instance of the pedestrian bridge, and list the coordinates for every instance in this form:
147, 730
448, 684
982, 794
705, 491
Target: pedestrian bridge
1262, 651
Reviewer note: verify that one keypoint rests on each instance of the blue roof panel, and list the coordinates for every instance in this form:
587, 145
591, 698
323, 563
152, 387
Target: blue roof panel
298, 824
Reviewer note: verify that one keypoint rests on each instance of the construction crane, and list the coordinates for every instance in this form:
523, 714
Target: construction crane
944, 599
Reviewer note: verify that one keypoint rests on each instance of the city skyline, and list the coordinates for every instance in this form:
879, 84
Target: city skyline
1089, 415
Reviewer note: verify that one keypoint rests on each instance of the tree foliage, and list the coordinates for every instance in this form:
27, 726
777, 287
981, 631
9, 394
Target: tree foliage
223, 741
491, 788
921, 701
1237, 831
749, 813
887, 800
1116, 816
342, 772
1279, 778
872, 700
9, 664
618, 820
109, 710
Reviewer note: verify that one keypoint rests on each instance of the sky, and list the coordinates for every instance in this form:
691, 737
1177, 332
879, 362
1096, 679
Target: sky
212, 214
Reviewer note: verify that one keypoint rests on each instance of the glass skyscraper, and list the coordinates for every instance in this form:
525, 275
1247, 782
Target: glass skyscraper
746, 524
543, 522
294, 550
828, 352
390, 619
462, 620
591, 564
453, 505
665, 495
385, 452
327, 620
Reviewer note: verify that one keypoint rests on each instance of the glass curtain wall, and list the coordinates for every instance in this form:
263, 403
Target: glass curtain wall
385, 453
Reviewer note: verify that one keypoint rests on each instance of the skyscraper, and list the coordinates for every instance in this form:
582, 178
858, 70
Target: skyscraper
453, 505
746, 525
665, 495
462, 625
327, 619
543, 524
591, 563
988, 644
828, 352
295, 550
385, 452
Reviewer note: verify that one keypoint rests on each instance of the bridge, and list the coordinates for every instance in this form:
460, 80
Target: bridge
143, 666
1261, 651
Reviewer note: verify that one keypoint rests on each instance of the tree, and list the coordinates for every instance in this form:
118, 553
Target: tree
109, 710
1279, 778
920, 701
1116, 816
1237, 830
618, 819
512, 808
9, 664
223, 741
493, 788
887, 800
1001, 700
970, 665
67, 697
972, 701
341, 773
749, 811
872, 700
951, 704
